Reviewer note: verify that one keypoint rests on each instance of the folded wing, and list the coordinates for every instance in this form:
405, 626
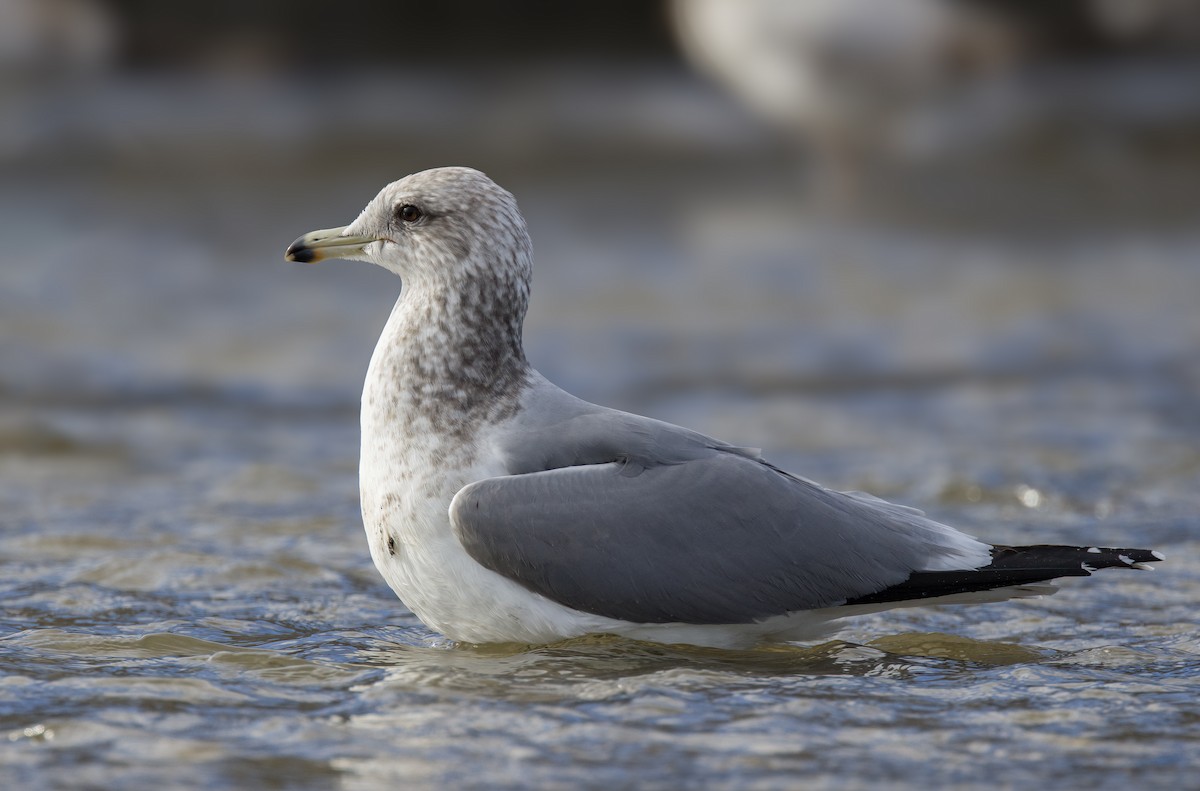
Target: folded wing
718, 538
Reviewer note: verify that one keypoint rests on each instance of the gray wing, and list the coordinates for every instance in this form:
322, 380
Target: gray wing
710, 537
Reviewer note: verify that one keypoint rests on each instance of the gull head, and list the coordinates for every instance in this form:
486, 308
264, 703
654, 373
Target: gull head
436, 226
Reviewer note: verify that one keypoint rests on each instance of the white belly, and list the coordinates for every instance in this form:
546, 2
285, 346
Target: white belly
405, 509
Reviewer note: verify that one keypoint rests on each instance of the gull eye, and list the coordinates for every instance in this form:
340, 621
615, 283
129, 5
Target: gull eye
409, 213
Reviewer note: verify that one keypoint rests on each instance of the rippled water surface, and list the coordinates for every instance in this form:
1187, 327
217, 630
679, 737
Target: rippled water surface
188, 598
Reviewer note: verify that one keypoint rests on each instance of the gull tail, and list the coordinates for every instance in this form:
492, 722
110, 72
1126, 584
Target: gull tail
1017, 568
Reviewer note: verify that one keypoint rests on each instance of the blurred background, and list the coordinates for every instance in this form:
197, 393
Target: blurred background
720, 191
942, 250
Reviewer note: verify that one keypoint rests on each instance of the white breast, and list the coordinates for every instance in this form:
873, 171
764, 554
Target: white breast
406, 485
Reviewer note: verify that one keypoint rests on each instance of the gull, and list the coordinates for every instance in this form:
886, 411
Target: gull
502, 509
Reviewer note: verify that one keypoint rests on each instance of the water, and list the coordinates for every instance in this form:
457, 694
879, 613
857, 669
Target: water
188, 597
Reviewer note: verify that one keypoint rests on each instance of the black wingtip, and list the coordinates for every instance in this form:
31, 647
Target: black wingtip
1014, 566
1070, 561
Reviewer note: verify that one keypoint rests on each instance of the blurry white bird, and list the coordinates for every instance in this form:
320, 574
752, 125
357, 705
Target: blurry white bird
867, 85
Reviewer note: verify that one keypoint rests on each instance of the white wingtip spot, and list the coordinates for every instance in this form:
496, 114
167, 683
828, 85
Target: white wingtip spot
1128, 561
1094, 550
1158, 554
1143, 566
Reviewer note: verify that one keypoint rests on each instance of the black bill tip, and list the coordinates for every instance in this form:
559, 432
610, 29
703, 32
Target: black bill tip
299, 252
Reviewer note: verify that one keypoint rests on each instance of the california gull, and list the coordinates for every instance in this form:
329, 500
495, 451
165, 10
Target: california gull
503, 509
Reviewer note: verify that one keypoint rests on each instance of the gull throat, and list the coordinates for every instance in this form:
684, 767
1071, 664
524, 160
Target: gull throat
450, 357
